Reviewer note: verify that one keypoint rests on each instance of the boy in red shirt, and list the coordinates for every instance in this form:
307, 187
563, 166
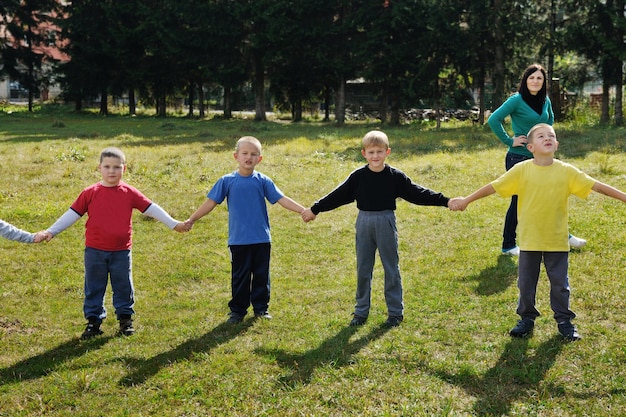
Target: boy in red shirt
108, 240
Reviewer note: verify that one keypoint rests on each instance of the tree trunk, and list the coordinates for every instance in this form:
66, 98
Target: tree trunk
161, 105
394, 118
104, 102
191, 97
259, 89
228, 111
201, 108
132, 104
604, 107
619, 76
384, 105
340, 102
498, 70
326, 104
297, 111
619, 111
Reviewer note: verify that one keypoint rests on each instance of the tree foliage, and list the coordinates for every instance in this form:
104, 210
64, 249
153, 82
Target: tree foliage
410, 52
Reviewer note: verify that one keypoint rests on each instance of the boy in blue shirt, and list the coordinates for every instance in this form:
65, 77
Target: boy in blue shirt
249, 239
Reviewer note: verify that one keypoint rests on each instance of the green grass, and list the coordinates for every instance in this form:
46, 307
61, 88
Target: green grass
451, 357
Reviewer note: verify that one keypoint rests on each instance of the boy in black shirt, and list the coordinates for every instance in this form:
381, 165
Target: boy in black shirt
375, 188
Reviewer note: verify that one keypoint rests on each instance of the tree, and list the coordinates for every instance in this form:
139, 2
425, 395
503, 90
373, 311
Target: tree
26, 50
596, 31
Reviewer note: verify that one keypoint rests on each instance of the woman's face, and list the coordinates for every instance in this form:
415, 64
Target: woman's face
535, 82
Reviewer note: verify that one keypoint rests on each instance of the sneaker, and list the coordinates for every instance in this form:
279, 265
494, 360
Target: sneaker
511, 252
358, 320
524, 328
568, 331
92, 329
263, 315
234, 318
393, 321
576, 242
126, 325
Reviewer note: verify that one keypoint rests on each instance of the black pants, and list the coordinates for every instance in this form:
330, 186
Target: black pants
250, 278
509, 234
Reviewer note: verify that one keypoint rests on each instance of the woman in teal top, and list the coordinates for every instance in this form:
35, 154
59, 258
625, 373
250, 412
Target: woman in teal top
528, 107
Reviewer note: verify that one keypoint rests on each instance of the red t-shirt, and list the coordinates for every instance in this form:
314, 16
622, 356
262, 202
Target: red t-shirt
110, 209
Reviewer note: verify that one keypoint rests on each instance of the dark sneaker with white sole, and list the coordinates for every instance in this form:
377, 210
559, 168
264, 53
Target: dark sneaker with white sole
358, 320
126, 325
263, 315
524, 328
393, 321
568, 331
92, 329
234, 318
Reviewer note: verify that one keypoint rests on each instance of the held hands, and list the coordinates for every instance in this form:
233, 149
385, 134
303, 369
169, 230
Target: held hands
307, 215
43, 235
457, 204
182, 227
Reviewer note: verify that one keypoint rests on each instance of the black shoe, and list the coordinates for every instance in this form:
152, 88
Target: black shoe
393, 321
568, 331
358, 320
234, 318
126, 325
92, 329
263, 315
524, 328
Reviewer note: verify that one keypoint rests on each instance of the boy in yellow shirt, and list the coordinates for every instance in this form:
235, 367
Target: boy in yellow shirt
543, 185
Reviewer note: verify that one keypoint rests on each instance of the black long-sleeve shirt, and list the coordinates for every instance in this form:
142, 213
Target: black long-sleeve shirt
378, 191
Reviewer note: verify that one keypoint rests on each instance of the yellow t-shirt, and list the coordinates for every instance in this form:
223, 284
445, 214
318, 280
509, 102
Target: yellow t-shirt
542, 207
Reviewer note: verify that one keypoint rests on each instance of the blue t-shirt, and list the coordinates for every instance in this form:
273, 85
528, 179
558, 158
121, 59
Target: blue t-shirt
248, 222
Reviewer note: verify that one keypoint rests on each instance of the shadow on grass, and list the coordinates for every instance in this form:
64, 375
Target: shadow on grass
497, 278
336, 351
49, 361
514, 377
145, 368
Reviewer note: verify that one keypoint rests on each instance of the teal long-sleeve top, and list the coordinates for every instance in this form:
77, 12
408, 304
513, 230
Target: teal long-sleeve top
523, 117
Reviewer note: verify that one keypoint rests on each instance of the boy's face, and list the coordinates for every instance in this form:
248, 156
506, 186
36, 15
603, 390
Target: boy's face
248, 157
111, 169
375, 156
543, 142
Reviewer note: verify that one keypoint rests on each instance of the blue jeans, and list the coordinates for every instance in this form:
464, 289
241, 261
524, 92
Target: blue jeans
556, 264
101, 265
509, 234
250, 278
377, 230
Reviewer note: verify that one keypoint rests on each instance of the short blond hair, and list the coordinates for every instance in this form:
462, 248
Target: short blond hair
251, 140
375, 138
531, 132
113, 152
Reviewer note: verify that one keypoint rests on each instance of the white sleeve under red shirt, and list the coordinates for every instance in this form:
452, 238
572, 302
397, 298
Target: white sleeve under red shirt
109, 209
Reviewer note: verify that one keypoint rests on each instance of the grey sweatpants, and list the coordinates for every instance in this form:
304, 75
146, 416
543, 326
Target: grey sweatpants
556, 264
377, 230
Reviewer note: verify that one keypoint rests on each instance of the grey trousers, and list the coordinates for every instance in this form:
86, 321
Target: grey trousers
377, 230
556, 264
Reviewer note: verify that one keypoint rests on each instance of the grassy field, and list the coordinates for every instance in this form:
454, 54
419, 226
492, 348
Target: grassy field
451, 357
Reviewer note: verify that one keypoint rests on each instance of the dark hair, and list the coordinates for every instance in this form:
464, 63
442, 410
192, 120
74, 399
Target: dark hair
536, 101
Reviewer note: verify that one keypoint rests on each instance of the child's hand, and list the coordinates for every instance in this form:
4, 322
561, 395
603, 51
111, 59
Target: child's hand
457, 204
307, 215
188, 225
40, 236
43, 235
181, 227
